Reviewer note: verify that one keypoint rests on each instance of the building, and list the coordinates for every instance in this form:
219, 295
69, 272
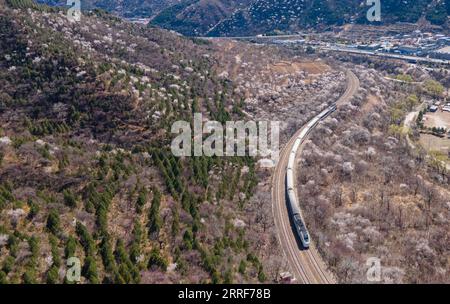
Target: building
443, 41
286, 278
443, 53
409, 50
370, 47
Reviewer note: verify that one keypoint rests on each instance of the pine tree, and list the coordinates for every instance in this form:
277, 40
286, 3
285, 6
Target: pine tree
175, 222
155, 221
34, 209
3, 278
8, 264
142, 200
71, 247
156, 260
69, 199
90, 270
53, 275
242, 267
53, 222
188, 239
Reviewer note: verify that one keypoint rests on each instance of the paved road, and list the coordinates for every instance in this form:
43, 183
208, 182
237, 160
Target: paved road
307, 266
386, 55
342, 49
409, 120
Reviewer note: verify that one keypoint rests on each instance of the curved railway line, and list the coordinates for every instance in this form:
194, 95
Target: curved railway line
306, 265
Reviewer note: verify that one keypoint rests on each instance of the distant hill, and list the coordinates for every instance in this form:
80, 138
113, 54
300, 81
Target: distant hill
198, 17
265, 16
125, 8
251, 17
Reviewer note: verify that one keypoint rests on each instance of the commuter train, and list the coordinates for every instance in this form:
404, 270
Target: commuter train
300, 227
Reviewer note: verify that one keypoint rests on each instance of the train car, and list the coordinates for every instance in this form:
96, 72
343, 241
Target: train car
301, 230
293, 202
296, 145
290, 179
291, 162
313, 122
303, 134
324, 114
328, 111
331, 109
299, 225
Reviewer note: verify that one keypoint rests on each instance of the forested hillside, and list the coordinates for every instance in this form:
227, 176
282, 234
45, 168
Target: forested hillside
267, 16
252, 17
196, 18
369, 190
128, 8
85, 166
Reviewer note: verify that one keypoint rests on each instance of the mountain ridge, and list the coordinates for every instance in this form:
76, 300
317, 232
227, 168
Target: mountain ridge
252, 17
266, 16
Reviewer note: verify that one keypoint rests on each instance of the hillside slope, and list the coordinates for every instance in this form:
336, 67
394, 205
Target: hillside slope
197, 17
128, 8
251, 17
85, 166
265, 16
367, 193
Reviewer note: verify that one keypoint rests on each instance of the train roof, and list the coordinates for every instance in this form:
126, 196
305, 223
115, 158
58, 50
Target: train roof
299, 221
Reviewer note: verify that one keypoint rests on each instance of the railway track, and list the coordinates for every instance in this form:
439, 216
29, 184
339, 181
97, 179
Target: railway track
307, 266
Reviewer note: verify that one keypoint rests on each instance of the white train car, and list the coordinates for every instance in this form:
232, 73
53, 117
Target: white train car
296, 145
293, 202
290, 179
313, 122
303, 134
291, 162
